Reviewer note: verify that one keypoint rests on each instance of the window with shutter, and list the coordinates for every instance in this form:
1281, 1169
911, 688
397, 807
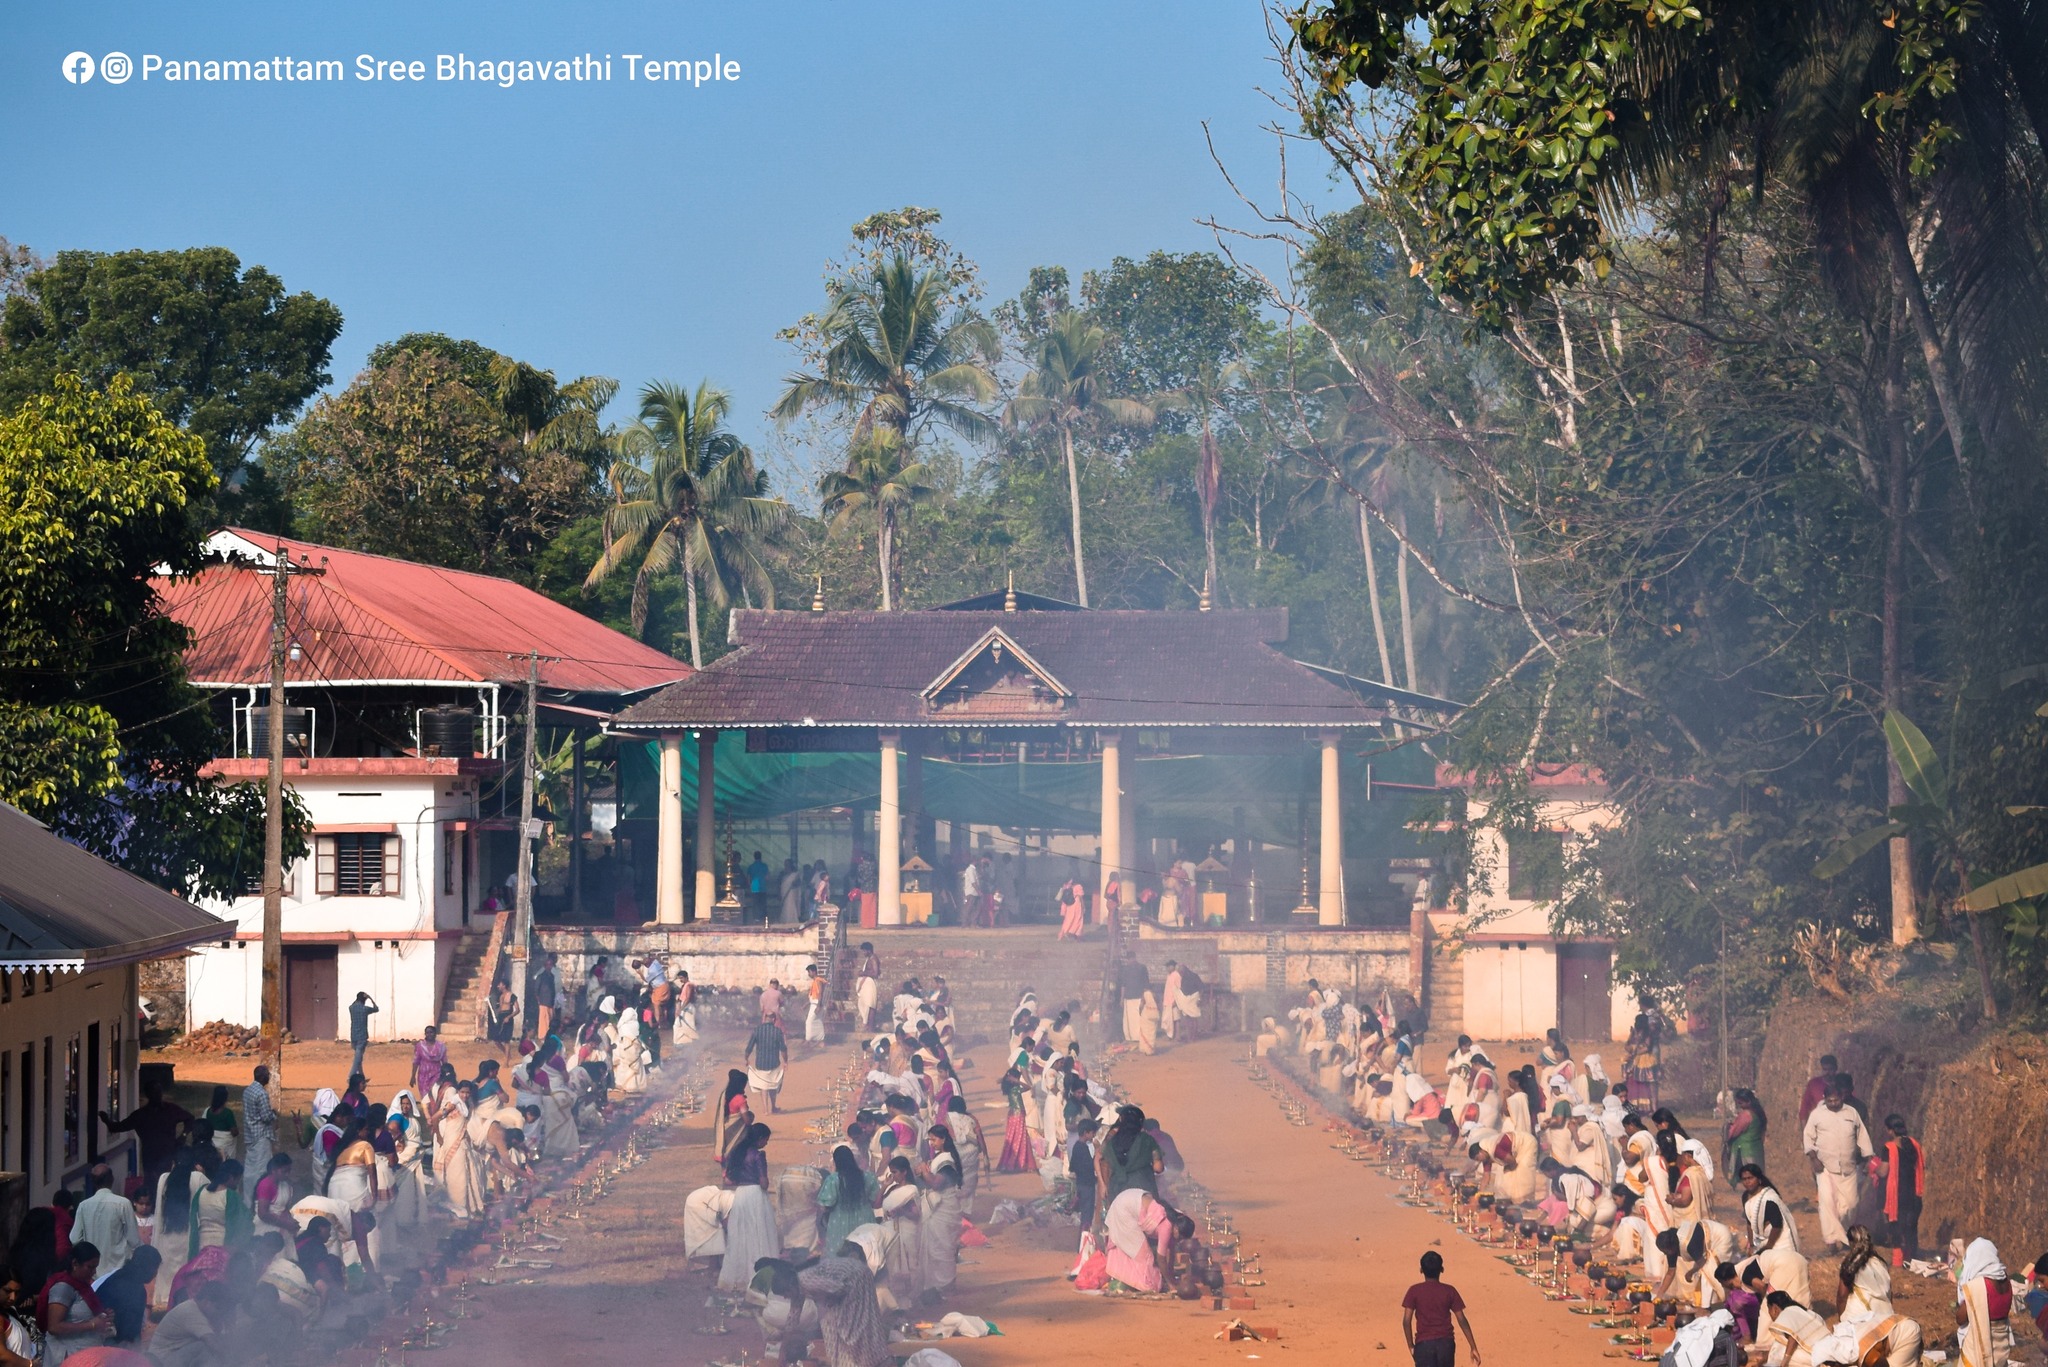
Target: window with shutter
252, 881
355, 864
326, 858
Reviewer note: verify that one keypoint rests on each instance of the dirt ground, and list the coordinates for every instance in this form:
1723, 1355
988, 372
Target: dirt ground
1336, 1250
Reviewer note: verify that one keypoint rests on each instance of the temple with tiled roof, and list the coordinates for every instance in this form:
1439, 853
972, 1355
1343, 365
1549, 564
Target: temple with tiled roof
1012, 671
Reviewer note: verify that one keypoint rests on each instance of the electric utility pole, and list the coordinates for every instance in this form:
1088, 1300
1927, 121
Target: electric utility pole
270, 1045
522, 900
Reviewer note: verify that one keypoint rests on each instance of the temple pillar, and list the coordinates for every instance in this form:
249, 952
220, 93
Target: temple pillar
668, 857
707, 827
889, 835
1112, 808
1330, 886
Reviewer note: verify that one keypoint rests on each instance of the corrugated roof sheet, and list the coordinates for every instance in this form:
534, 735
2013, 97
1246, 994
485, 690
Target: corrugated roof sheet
62, 906
1123, 669
370, 617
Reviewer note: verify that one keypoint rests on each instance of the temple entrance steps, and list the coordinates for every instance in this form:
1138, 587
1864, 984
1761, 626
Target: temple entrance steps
470, 977
987, 970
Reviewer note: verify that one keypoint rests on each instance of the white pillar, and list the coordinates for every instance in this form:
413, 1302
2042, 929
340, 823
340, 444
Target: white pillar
889, 835
1330, 901
1112, 808
707, 826
668, 860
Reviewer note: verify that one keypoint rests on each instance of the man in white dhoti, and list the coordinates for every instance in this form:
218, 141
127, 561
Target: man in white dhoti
1837, 1145
814, 1009
106, 1220
767, 1047
259, 1129
867, 984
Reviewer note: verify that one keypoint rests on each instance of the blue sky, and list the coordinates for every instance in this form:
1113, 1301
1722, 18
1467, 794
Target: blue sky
634, 230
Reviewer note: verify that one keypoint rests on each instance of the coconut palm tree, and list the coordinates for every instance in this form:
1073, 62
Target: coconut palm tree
686, 496
1063, 395
879, 482
898, 356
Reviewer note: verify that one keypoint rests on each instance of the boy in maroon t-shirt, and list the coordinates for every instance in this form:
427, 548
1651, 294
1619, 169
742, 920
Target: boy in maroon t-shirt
1427, 1312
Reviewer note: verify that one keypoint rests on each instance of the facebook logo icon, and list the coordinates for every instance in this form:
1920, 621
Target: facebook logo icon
78, 68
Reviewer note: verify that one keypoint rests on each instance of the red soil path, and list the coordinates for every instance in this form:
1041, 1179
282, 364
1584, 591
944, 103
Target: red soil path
1337, 1252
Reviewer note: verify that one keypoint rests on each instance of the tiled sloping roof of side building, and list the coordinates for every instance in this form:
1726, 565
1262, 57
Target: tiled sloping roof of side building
371, 617
1121, 668
65, 907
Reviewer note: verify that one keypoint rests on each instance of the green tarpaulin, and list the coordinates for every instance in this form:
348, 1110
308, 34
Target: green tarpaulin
1193, 798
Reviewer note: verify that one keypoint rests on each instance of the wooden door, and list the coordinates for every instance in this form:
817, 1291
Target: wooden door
1583, 991
310, 977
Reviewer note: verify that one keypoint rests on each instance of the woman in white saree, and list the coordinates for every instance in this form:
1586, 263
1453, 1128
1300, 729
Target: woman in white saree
456, 1167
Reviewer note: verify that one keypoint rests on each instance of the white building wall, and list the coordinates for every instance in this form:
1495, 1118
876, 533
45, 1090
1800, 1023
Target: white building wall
395, 948
1510, 989
1622, 1006
1511, 963
44, 1024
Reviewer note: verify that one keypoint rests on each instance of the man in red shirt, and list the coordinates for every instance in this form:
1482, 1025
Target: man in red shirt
1427, 1312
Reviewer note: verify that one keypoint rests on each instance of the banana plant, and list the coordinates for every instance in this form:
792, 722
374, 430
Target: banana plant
1930, 817
553, 781
2019, 893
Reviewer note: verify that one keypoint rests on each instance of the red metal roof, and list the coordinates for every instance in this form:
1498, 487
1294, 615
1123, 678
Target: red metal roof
370, 617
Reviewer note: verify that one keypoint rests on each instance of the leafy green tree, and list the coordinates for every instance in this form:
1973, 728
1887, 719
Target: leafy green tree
100, 735
17, 264
878, 485
475, 363
411, 461
899, 352
566, 563
1045, 296
1182, 324
223, 352
687, 499
1064, 396
1908, 137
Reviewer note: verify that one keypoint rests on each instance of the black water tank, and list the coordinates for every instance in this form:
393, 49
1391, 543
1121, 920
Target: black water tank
298, 733
448, 731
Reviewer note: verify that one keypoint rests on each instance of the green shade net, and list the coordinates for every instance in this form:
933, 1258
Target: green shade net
1194, 799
